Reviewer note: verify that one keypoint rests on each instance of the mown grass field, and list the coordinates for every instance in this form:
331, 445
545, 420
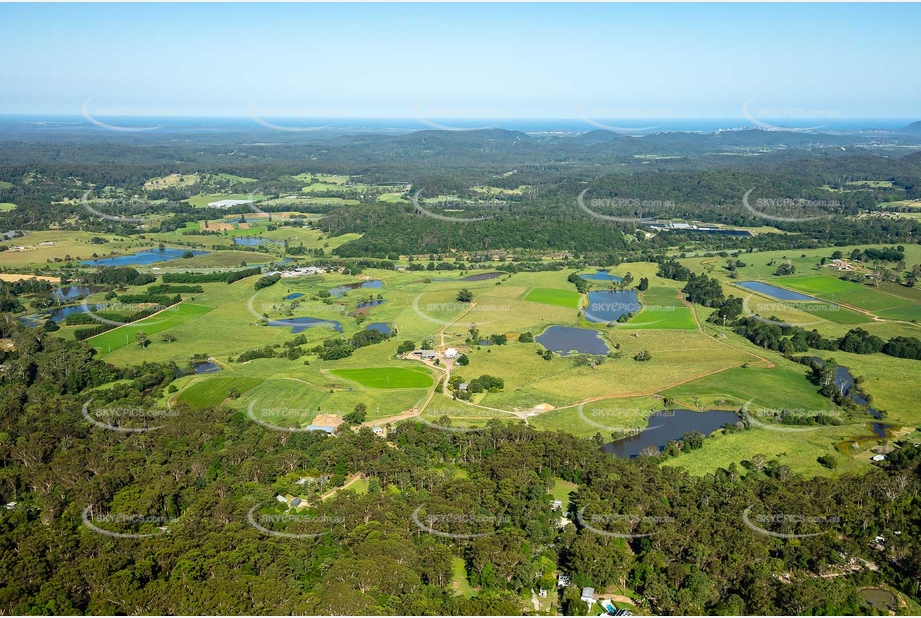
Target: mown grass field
661, 308
212, 391
163, 321
560, 298
561, 489
880, 301
459, 582
387, 377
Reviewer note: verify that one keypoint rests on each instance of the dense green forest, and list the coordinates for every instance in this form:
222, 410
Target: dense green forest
201, 473
689, 176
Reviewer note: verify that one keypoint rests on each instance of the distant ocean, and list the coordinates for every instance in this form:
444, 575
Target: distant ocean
400, 125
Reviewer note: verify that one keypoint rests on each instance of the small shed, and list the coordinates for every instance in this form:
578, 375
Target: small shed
588, 595
295, 501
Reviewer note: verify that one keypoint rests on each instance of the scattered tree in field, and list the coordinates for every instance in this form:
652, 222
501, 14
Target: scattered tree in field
358, 415
464, 296
140, 338
643, 356
785, 269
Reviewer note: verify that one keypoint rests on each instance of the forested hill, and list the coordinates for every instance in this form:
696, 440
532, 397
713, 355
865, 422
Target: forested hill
201, 474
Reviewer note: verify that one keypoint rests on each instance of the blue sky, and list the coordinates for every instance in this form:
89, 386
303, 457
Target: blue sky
456, 60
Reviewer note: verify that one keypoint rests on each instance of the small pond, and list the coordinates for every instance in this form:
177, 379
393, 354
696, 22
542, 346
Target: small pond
293, 296
773, 291
142, 257
601, 275
339, 290
370, 303
299, 325
607, 306
73, 291
57, 315
670, 425
566, 339
381, 327
252, 241
844, 380
878, 598
205, 367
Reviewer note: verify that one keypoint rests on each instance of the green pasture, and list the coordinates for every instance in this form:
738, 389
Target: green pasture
560, 298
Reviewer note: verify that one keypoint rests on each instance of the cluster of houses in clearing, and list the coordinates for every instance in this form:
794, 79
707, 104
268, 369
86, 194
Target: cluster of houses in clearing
588, 596
430, 354
229, 203
221, 226
47, 243
294, 501
840, 265
301, 271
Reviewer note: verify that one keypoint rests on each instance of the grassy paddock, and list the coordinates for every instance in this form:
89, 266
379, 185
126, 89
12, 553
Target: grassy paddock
212, 391
560, 298
387, 377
